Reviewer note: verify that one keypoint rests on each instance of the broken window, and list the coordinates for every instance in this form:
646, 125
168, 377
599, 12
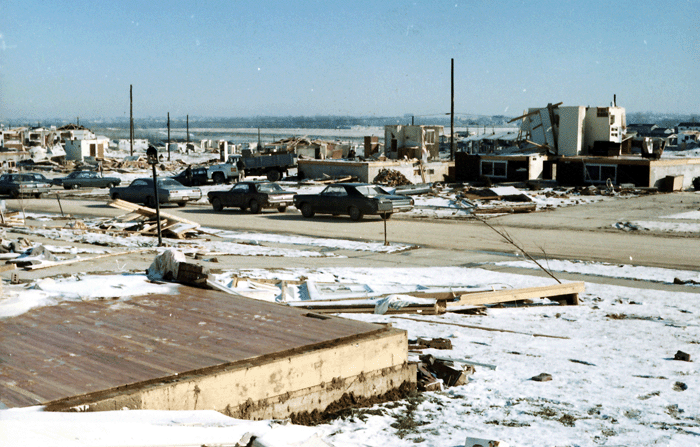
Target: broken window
494, 168
430, 136
602, 112
600, 173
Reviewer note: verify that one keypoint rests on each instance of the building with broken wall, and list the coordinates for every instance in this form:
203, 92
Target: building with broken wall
412, 141
577, 145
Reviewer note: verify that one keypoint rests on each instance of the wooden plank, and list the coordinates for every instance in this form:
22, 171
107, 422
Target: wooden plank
73, 261
483, 328
145, 211
566, 293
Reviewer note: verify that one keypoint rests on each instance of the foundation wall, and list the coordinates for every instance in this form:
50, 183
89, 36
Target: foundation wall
276, 388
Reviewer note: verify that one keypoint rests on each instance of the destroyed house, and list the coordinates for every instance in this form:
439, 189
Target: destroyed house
75, 131
412, 141
578, 146
688, 126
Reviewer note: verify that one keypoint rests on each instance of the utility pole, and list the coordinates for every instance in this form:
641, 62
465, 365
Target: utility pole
131, 118
187, 144
168, 136
452, 115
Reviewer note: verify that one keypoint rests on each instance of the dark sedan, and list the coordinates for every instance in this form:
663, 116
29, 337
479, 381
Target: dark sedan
353, 199
86, 179
16, 185
198, 176
169, 191
252, 195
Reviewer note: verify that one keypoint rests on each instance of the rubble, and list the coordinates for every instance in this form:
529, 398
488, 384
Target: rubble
434, 372
391, 177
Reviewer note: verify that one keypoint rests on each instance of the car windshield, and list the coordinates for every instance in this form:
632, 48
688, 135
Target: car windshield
370, 190
269, 187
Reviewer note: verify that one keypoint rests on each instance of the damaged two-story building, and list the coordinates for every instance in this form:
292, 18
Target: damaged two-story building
576, 145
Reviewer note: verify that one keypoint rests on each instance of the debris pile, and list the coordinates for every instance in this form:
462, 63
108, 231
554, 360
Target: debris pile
391, 177
171, 266
145, 222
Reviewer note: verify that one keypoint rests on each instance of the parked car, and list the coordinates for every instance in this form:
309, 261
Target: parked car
253, 195
353, 199
198, 176
16, 185
41, 178
86, 179
169, 191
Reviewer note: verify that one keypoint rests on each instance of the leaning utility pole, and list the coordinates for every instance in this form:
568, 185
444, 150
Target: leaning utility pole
131, 118
168, 136
452, 115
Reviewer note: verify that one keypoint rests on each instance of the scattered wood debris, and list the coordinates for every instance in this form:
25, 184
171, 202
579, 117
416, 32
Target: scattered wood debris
683, 356
391, 177
434, 372
171, 226
434, 343
11, 219
543, 377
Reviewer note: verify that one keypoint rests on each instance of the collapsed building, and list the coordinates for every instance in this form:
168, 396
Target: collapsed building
576, 145
411, 150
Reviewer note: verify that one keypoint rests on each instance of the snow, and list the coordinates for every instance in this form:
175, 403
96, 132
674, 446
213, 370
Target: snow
614, 378
639, 273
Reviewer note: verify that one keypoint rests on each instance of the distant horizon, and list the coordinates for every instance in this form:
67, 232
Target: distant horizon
294, 119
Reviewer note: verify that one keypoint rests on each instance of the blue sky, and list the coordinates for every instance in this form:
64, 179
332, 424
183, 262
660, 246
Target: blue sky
376, 58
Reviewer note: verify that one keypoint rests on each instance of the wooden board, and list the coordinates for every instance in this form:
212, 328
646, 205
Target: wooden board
566, 293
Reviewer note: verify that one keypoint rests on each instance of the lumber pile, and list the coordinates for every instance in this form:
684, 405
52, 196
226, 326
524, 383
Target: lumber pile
145, 221
10, 219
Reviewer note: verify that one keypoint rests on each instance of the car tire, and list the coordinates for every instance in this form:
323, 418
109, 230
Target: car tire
355, 213
75, 186
274, 175
218, 178
386, 216
181, 204
110, 185
38, 195
115, 196
282, 209
254, 206
216, 204
150, 202
14, 194
66, 187
307, 210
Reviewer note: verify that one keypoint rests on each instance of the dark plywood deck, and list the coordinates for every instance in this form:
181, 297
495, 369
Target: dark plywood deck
75, 348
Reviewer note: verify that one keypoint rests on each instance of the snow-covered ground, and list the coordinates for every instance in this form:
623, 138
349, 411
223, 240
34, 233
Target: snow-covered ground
614, 380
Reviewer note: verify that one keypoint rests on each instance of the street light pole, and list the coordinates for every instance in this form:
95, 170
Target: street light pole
152, 156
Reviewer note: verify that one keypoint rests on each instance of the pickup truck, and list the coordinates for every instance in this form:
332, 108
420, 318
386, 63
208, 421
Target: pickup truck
226, 172
273, 166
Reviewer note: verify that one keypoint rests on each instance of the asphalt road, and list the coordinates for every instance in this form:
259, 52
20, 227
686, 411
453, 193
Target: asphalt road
583, 232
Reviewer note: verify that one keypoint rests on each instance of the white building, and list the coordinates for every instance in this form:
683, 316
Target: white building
140, 145
78, 150
574, 130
